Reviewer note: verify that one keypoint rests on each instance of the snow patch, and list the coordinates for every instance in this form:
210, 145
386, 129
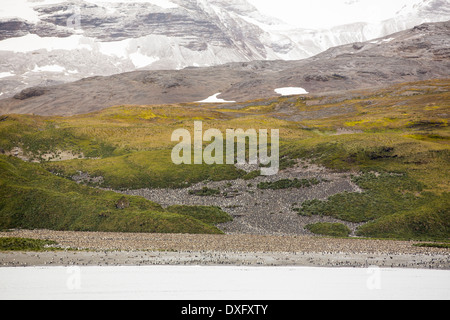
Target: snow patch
124, 50
289, 91
214, 99
24, 9
32, 42
115, 48
165, 4
49, 68
140, 60
6, 74
382, 41
18, 9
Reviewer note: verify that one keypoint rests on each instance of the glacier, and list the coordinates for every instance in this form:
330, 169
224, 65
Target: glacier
122, 36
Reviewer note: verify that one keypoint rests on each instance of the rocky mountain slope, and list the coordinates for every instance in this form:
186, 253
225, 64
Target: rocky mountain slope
77, 39
420, 53
64, 41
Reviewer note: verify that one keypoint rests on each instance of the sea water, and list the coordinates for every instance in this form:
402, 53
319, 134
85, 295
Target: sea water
222, 283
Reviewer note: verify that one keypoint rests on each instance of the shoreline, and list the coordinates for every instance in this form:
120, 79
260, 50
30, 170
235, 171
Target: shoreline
237, 259
137, 249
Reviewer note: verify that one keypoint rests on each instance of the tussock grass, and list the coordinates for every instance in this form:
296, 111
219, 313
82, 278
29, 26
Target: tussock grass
33, 198
288, 184
396, 142
329, 229
433, 245
23, 244
145, 169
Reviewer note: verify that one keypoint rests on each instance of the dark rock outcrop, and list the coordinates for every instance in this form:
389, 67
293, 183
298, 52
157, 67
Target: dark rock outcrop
30, 93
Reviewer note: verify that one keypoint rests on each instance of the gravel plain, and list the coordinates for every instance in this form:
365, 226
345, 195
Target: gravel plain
266, 231
103, 249
262, 212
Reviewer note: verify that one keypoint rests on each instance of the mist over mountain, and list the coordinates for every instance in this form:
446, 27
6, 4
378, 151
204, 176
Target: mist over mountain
50, 42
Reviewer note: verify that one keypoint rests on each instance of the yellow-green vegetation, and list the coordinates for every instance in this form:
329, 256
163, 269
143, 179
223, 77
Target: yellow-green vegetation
433, 245
24, 244
394, 141
329, 229
402, 155
145, 169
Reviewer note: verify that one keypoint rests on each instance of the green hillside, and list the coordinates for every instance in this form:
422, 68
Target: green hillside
33, 198
394, 142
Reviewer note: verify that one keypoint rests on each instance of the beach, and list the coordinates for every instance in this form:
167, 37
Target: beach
138, 249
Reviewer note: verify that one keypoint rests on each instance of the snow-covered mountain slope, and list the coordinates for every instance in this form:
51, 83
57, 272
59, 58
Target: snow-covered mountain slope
47, 42
87, 38
413, 13
418, 54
